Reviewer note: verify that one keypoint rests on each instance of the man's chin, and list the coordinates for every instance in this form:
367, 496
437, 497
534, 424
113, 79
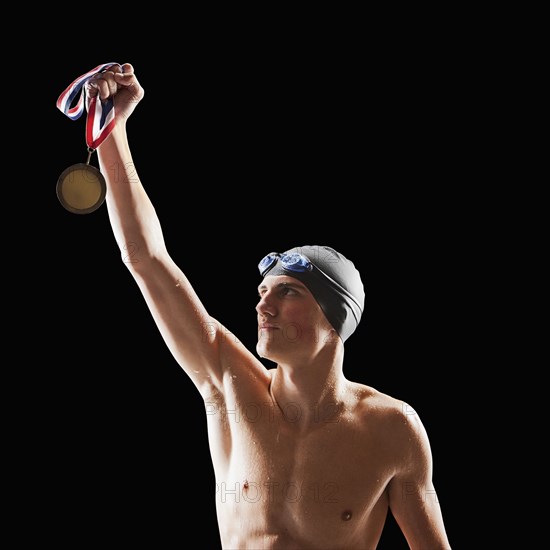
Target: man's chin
260, 350
264, 350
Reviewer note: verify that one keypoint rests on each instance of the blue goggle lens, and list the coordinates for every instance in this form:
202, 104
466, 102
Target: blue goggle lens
292, 262
296, 262
267, 262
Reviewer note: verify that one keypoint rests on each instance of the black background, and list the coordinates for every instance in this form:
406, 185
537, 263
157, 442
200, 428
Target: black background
243, 151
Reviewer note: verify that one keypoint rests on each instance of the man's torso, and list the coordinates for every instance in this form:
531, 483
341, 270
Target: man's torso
279, 485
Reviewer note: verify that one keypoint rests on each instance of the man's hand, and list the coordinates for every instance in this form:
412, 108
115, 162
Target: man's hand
120, 83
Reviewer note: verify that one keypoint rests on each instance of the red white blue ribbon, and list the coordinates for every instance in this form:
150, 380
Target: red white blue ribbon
101, 114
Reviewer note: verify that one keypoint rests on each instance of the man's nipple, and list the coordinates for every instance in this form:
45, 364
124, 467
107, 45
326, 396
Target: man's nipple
346, 515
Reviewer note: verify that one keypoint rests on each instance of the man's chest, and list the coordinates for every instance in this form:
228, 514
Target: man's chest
332, 467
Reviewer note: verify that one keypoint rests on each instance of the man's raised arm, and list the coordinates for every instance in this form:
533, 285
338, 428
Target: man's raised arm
192, 336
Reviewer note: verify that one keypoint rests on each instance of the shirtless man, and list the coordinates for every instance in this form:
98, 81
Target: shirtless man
303, 458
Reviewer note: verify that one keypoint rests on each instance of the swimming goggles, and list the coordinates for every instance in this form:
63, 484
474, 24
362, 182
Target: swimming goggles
291, 262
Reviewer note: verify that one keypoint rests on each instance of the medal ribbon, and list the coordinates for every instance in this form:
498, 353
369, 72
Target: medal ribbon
101, 114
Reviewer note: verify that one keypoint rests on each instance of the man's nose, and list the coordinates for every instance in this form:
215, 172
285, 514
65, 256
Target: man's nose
266, 305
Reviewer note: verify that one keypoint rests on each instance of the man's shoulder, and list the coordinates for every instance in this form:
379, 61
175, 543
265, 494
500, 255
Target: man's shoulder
370, 398
373, 405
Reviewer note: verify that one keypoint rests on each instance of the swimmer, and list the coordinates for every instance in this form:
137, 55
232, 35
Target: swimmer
303, 457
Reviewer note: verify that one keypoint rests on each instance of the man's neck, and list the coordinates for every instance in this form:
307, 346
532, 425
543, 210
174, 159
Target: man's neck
310, 392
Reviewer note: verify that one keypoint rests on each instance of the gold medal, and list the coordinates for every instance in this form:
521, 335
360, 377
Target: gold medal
81, 188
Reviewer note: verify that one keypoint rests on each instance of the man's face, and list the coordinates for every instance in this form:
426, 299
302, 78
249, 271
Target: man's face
291, 324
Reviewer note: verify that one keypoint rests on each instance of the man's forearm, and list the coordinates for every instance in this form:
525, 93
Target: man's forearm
133, 217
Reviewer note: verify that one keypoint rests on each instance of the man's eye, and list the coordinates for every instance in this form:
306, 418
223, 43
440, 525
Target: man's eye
288, 291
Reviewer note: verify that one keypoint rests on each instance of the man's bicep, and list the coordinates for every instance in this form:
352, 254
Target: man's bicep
412, 496
416, 509
193, 337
